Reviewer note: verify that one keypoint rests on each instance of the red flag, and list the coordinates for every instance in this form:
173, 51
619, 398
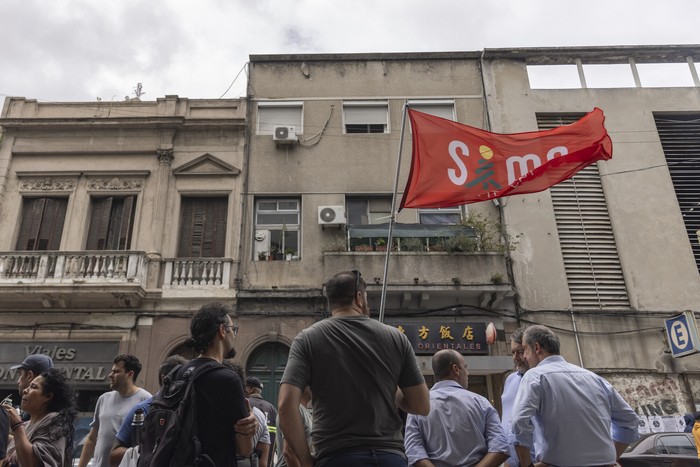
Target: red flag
456, 164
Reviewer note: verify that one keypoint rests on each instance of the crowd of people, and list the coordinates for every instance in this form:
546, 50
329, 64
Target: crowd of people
361, 376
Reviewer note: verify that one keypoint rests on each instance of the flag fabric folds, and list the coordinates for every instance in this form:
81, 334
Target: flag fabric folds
455, 164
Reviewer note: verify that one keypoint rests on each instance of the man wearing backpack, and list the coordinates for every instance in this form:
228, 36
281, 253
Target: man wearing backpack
225, 423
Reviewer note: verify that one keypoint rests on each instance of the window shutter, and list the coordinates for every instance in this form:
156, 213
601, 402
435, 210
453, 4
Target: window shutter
42, 223
270, 117
203, 232
592, 265
127, 223
680, 139
99, 223
366, 114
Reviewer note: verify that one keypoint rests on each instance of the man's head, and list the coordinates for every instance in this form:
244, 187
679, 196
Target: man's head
125, 370
30, 368
539, 343
212, 326
346, 290
253, 385
517, 351
168, 365
449, 364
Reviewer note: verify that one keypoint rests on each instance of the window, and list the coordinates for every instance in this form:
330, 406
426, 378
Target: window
111, 223
589, 252
366, 117
280, 217
42, 224
375, 210
442, 216
680, 139
272, 115
675, 444
203, 227
439, 108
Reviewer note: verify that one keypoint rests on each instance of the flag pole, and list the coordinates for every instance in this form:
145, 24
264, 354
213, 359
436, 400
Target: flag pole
392, 218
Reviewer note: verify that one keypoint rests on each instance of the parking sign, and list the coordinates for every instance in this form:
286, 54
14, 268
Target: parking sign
682, 333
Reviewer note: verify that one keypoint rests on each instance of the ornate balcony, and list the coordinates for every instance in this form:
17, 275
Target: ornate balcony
197, 276
60, 278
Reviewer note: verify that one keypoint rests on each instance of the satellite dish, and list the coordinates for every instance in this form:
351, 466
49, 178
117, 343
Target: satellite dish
328, 214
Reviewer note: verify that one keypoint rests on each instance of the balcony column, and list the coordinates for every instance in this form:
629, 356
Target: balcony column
165, 160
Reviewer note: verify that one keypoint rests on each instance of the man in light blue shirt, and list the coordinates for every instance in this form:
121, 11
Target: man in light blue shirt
462, 428
577, 410
510, 389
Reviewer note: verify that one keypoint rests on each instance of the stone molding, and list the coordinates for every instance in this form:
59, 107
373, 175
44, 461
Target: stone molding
115, 183
48, 184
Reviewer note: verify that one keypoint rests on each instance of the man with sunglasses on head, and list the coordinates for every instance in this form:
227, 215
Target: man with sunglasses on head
360, 372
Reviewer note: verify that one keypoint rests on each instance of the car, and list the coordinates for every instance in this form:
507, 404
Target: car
661, 449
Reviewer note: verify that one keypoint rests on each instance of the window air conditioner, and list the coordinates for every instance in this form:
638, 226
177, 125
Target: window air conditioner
285, 135
331, 215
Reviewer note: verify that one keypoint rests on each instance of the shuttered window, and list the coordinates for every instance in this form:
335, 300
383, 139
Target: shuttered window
272, 115
42, 223
588, 246
111, 223
680, 139
203, 227
366, 116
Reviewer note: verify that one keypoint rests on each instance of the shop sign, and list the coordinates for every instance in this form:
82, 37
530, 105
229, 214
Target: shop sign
85, 363
431, 336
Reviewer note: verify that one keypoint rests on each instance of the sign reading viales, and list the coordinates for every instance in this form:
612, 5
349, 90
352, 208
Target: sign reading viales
455, 164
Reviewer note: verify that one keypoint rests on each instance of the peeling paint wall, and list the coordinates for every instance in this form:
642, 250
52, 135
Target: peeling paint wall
653, 394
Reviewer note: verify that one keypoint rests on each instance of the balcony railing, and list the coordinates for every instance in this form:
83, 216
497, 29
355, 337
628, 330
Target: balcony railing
53, 267
197, 273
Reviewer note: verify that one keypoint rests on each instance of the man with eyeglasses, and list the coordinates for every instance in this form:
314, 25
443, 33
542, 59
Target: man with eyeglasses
360, 372
225, 422
510, 389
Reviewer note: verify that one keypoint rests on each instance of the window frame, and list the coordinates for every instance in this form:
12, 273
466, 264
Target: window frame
56, 227
366, 104
282, 227
299, 129
461, 210
108, 228
184, 198
415, 104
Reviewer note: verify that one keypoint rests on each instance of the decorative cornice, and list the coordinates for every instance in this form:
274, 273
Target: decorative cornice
115, 183
47, 184
165, 157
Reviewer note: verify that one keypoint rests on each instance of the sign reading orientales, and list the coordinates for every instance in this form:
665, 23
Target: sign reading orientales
84, 363
430, 337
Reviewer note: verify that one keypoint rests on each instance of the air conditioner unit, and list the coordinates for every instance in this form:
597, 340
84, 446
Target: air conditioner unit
331, 215
285, 135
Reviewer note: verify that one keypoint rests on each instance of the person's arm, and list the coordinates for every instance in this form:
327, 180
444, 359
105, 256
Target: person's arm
117, 453
492, 459
290, 458
291, 424
23, 447
619, 449
625, 422
245, 430
88, 448
264, 450
524, 456
414, 399
424, 463
414, 443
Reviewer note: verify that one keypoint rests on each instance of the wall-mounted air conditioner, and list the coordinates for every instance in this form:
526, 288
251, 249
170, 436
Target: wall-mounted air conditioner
284, 135
331, 215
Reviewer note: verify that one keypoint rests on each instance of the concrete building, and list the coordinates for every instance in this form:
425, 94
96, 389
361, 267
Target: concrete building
603, 258
119, 220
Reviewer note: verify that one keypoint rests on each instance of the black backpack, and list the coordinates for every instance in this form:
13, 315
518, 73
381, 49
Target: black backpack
170, 435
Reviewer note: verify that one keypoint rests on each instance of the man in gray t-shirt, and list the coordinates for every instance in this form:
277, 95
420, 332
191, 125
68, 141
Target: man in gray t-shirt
111, 409
359, 371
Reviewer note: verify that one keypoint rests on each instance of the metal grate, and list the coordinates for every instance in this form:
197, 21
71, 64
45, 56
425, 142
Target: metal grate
592, 265
680, 139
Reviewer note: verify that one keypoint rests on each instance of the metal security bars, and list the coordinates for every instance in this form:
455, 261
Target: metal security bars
680, 139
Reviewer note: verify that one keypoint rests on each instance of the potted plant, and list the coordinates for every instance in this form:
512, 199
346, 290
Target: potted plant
262, 255
288, 252
380, 244
412, 244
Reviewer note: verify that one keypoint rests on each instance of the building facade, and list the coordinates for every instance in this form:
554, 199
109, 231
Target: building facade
121, 219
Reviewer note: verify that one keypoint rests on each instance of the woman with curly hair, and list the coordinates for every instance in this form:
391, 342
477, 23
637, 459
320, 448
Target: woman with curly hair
47, 439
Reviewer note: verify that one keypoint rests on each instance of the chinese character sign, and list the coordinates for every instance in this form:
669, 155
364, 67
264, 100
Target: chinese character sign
429, 337
455, 164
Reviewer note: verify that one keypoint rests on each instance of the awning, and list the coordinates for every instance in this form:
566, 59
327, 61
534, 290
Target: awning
409, 230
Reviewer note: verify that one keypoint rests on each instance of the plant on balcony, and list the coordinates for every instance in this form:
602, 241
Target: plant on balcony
461, 243
262, 255
412, 244
380, 244
490, 236
289, 253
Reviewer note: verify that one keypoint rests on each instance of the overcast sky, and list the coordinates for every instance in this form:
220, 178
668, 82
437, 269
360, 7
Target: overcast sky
79, 50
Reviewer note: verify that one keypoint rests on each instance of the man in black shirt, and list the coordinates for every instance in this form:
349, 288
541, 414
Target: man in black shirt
225, 422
